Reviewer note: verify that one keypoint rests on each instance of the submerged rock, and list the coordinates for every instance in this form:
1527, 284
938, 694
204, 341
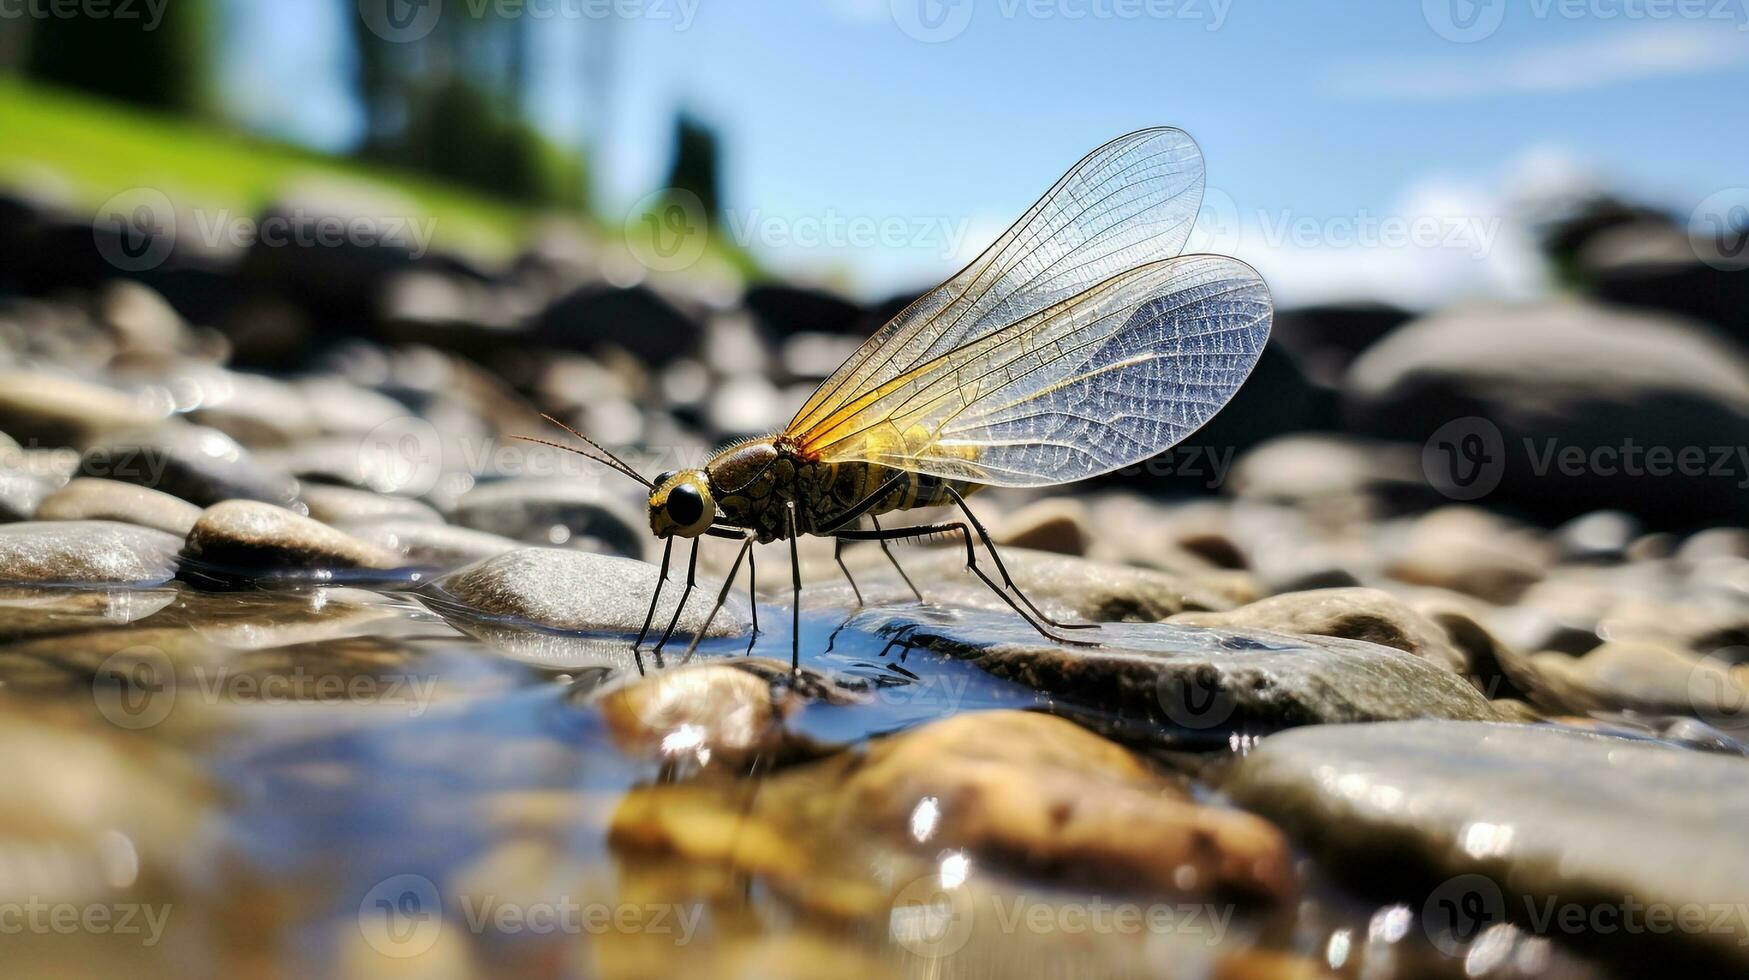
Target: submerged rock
1357, 614
89, 499
86, 553
1520, 819
252, 538
1174, 683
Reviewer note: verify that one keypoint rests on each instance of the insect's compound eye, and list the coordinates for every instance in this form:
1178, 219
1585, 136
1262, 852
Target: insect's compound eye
685, 505
665, 476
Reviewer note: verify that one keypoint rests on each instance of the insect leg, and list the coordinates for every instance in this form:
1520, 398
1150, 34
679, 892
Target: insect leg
1008, 580
752, 593
722, 597
661, 577
887, 550
795, 572
838, 556
961, 528
691, 580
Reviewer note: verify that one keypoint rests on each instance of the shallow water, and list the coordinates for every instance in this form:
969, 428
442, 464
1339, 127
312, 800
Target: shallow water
435, 780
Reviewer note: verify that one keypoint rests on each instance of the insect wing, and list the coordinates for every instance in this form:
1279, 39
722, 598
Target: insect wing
1100, 381
1128, 203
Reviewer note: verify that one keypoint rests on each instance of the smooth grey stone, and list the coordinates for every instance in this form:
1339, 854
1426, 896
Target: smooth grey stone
1519, 815
433, 545
86, 553
1187, 683
574, 591
530, 510
49, 410
344, 505
87, 499
202, 466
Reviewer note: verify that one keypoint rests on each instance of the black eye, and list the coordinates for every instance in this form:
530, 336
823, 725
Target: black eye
685, 505
665, 476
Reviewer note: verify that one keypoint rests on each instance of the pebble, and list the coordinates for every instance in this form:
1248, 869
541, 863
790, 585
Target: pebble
250, 538
51, 410
86, 553
1059, 525
431, 545
1471, 551
1510, 813
543, 511
341, 505
720, 714
1071, 588
88, 498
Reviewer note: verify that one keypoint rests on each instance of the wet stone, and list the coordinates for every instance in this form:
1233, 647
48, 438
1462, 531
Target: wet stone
1643, 676
551, 588
1534, 813
251, 538
34, 611
202, 466
1356, 613
1071, 588
87, 499
552, 512
1161, 682
431, 545
52, 410
86, 553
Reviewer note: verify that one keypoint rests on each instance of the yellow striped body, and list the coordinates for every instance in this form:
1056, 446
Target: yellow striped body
754, 482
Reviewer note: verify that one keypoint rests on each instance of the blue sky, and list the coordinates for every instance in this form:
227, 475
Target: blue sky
1319, 121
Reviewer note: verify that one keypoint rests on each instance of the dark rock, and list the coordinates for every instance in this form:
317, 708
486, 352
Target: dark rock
1563, 408
635, 318
88, 499
202, 466
1659, 267
552, 511
86, 553
787, 310
1325, 339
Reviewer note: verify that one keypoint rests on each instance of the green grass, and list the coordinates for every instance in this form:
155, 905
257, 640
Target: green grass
95, 149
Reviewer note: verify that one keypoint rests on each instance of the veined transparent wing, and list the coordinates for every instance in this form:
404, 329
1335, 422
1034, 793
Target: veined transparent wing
1094, 383
1128, 203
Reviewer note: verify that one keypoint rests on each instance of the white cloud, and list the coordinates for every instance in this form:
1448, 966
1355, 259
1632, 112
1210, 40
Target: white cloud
1664, 50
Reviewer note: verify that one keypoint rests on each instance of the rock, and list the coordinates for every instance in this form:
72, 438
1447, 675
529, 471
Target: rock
1645, 677
1015, 789
250, 538
50, 410
144, 322
1325, 339
21, 492
89, 499
340, 407
86, 553
539, 511
575, 591
202, 466
1562, 408
722, 714
253, 409
1322, 471
1056, 524
1357, 614
343, 505
1659, 267
635, 318
1515, 816
431, 545
35, 611
1601, 536
1471, 551
785, 310
1493, 665
1169, 683
1715, 542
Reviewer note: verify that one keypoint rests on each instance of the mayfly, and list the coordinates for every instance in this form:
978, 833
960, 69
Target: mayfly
1080, 342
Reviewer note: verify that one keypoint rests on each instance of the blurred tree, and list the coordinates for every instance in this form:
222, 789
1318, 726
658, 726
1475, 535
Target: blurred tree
155, 58
697, 166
